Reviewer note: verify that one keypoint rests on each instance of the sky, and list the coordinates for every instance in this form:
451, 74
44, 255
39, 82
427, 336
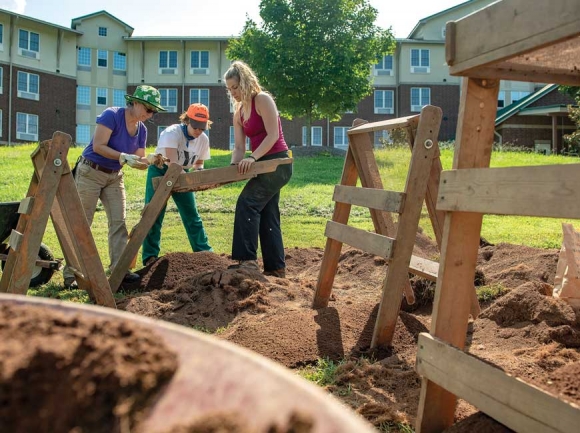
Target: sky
210, 18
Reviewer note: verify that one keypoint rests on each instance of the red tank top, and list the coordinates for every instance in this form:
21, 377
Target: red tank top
256, 131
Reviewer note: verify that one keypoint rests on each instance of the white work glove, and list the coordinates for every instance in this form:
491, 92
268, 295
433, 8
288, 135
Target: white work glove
157, 159
133, 161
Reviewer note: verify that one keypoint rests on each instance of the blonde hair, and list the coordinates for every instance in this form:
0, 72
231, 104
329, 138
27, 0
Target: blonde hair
248, 84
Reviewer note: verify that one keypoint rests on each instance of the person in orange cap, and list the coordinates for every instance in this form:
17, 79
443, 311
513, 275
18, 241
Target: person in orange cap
186, 144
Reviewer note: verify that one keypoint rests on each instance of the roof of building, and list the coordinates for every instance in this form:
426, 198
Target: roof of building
26, 17
423, 21
76, 21
178, 38
515, 108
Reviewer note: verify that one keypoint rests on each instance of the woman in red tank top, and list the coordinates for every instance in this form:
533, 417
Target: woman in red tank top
257, 210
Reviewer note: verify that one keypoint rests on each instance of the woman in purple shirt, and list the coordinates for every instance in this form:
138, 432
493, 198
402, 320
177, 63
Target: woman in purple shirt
120, 138
257, 209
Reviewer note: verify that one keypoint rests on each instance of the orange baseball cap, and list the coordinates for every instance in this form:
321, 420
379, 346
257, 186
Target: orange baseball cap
198, 116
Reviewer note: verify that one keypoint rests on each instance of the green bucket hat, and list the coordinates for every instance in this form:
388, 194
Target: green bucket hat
147, 95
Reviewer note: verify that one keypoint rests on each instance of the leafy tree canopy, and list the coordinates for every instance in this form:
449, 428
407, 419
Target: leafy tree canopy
314, 56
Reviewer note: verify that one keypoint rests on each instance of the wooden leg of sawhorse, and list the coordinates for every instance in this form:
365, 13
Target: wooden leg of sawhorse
139, 232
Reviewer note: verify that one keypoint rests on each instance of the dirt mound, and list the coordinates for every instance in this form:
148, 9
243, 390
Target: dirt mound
60, 373
525, 332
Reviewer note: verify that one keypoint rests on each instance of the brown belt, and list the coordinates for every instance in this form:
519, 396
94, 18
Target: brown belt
97, 166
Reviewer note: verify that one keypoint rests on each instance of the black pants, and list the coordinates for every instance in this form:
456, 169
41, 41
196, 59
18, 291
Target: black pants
258, 215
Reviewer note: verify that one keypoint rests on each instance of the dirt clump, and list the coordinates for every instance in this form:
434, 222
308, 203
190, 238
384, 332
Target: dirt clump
63, 373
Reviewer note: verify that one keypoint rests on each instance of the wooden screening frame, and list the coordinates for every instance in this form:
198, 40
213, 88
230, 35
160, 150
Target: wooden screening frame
513, 41
395, 245
175, 180
52, 192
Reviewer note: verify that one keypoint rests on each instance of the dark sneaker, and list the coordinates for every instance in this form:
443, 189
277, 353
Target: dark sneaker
280, 273
131, 277
70, 283
246, 264
149, 261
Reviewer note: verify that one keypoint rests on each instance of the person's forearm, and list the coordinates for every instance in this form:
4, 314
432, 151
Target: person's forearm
237, 155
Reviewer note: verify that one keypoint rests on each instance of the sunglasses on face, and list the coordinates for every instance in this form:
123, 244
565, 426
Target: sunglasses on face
150, 110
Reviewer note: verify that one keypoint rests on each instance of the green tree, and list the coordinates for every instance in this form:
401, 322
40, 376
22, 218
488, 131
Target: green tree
573, 139
314, 56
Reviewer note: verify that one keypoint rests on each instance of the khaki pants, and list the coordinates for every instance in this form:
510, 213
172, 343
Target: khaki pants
93, 185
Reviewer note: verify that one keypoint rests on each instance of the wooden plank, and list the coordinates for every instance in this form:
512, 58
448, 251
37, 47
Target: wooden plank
329, 263
400, 122
415, 189
373, 243
55, 264
509, 400
461, 233
380, 199
197, 179
508, 29
148, 218
544, 191
424, 268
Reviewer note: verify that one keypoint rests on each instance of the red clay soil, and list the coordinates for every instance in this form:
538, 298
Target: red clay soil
524, 332
74, 374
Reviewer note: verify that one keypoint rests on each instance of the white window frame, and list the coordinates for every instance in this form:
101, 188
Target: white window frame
27, 93
381, 67
101, 92
312, 135
233, 139
102, 31
1, 37
195, 96
195, 56
344, 133
79, 50
1, 115
501, 99
417, 108
421, 67
166, 98
83, 92
1, 80
383, 108
83, 134
168, 68
29, 51
118, 55
29, 134
100, 57
119, 98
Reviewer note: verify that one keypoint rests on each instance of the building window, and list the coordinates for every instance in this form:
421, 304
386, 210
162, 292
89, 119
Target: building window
28, 86
102, 31
83, 134
119, 98
516, 96
28, 44
420, 96
384, 102
84, 56
1, 115
501, 99
168, 62
26, 126
199, 95
420, 61
1, 37
84, 95
119, 61
101, 96
233, 139
1, 80
384, 66
340, 136
315, 136
102, 58
199, 62
169, 99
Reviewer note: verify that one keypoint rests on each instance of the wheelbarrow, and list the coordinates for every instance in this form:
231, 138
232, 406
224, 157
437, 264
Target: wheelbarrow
46, 264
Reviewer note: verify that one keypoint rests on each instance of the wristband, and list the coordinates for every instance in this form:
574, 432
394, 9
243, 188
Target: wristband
255, 160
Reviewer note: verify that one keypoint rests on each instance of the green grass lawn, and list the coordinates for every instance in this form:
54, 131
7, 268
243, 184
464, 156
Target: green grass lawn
306, 202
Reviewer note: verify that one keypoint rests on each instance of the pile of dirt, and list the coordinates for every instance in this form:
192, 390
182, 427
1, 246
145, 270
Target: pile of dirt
61, 373
525, 332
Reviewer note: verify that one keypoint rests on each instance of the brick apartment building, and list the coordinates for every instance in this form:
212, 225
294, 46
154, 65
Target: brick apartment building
57, 78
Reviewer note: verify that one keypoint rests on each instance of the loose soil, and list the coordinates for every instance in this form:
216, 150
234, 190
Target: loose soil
524, 332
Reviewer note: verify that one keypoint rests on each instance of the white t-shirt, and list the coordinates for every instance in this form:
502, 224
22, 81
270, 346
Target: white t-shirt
188, 152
